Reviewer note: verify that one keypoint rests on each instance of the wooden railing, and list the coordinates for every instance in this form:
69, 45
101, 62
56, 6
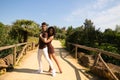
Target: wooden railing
26, 47
99, 52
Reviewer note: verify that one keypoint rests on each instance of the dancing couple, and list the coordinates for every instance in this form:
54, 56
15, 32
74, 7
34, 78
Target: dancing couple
46, 48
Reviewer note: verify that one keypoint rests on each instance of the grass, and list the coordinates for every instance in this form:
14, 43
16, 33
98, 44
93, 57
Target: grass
33, 39
62, 42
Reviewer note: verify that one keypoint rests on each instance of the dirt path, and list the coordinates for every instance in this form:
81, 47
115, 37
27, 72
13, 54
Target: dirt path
26, 70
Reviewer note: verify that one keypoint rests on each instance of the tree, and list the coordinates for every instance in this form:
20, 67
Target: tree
109, 36
1, 24
2, 32
117, 28
60, 32
5, 39
69, 30
99, 37
89, 33
57, 29
23, 28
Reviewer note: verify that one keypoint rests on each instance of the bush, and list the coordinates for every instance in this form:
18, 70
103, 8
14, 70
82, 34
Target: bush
60, 36
87, 35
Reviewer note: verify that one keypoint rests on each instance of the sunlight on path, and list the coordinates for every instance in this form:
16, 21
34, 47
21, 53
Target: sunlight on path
26, 70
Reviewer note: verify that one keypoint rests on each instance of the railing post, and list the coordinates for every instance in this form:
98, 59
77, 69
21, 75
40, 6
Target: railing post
76, 52
25, 51
14, 56
68, 46
114, 76
96, 59
32, 45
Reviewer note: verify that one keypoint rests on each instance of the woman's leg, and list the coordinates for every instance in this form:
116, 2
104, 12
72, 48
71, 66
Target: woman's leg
55, 59
49, 66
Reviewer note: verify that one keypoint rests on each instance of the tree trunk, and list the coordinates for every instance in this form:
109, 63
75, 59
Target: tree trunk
25, 36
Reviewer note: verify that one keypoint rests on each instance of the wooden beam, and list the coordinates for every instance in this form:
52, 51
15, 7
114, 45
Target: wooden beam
96, 59
14, 56
76, 52
108, 68
11, 46
115, 55
21, 54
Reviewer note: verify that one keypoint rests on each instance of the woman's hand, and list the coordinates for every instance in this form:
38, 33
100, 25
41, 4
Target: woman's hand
42, 38
40, 35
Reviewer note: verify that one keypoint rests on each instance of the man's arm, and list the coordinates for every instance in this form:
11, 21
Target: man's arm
37, 42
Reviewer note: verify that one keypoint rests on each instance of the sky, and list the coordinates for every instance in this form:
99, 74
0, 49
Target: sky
63, 13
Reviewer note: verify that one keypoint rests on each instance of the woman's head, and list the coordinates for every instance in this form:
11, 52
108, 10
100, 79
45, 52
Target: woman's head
51, 31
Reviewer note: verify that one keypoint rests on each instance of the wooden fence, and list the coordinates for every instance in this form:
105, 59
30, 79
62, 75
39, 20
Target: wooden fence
17, 57
99, 52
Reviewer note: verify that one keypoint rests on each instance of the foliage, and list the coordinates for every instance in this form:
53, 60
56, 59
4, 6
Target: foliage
23, 28
5, 39
84, 35
27, 30
60, 36
87, 35
18, 32
117, 28
60, 33
33, 39
62, 42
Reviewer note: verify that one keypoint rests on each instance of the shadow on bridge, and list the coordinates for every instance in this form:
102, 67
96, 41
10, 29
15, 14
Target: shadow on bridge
30, 71
25, 70
63, 56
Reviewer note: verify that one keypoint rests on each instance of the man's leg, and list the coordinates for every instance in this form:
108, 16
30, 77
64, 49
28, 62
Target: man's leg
40, 52
45, 52
49, 61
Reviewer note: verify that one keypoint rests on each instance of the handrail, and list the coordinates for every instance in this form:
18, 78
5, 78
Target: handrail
99, 52
11, 46
15, 58
115, 55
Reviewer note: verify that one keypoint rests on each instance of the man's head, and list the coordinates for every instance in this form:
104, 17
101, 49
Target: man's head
44, 26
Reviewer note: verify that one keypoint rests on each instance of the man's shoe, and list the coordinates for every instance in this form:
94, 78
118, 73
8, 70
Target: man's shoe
53, 72
39, 71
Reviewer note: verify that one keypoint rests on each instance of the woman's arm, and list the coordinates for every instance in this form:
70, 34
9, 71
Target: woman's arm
47, 40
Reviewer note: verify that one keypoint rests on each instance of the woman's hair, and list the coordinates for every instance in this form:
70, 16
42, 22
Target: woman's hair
51, 27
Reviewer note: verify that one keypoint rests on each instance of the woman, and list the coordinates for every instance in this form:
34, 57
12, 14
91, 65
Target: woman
51, 34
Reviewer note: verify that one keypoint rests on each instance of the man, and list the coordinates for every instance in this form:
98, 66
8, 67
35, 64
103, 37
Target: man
43, 50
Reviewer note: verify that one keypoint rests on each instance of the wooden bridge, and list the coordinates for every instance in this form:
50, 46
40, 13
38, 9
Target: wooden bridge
26, 68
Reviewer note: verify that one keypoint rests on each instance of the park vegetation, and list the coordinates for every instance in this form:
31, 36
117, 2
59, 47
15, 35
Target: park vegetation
87, 35
20, 31
26, 30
